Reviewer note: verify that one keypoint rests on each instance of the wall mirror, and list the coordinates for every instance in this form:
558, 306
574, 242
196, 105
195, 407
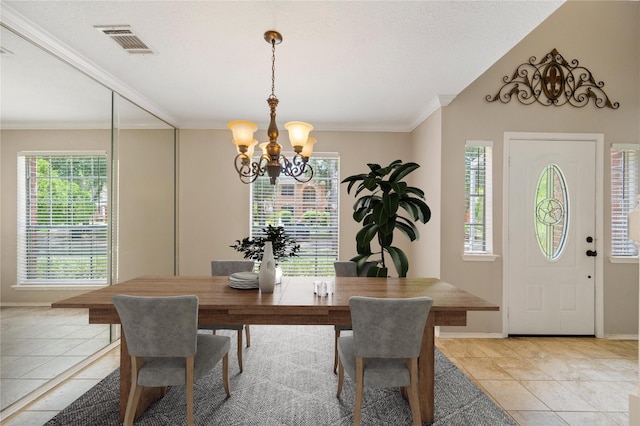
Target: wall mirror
49, 106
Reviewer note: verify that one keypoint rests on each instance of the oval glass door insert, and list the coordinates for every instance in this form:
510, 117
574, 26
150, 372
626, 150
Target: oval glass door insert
551, 212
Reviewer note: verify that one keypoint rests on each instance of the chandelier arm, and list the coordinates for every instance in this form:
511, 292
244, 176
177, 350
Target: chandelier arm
249, 171
297, 168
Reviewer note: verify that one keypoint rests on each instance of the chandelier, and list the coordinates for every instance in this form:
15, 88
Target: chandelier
272, 161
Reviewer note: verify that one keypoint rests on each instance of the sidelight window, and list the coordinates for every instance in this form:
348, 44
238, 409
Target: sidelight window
624, 191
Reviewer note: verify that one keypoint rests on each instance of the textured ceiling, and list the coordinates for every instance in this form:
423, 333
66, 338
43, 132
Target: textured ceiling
348, 65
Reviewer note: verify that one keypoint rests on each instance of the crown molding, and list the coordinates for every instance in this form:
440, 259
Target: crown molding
435, 104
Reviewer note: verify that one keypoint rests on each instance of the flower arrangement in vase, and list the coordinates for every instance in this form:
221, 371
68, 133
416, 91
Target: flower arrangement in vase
283, 246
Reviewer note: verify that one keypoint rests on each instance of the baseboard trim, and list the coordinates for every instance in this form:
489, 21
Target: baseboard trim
24, 304
449, 335
454, 335
621, 336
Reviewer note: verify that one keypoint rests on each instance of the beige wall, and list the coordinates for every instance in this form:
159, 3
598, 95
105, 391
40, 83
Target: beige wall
145, 203
214, 204
427, 151
603, 37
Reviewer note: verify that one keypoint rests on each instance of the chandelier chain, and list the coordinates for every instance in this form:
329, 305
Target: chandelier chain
273, 68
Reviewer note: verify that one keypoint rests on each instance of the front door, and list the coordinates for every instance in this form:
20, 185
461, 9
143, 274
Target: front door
551, 228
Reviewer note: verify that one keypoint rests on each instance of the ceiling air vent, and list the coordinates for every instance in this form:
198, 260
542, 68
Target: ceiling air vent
124, 36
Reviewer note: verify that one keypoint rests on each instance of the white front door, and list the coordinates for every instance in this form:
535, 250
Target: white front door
551, 232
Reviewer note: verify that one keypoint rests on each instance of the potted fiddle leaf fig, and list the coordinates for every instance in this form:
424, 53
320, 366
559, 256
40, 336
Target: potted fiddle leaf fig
386, 204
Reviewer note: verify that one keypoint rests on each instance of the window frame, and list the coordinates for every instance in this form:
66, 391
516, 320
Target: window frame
88, 242
627, 201
302, 226
487, 253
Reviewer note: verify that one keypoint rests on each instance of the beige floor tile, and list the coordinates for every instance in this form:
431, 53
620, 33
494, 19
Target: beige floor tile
101, 368
56, 347
14, 389
571, 369
604, 396
512, 396
461, 348
592, 350
19, 347
624, 348
484, 369
87, 347
19, 366
620, 419
30, 418
494, 348
521, 368
54, 367
560, 348
556, 396
21, 331
526, 348
621, 370
537, 418
586, 419
58, 331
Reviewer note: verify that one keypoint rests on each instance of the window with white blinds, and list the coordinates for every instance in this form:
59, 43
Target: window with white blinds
62, 218
624, 191
307, 211
478, 235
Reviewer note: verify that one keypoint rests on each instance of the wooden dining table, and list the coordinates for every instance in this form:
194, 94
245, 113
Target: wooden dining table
292, 303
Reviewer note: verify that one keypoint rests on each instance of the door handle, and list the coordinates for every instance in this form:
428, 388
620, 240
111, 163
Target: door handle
592, 253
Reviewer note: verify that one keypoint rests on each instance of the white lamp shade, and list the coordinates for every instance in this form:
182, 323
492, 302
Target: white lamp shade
307, 149
298, 132
242, 132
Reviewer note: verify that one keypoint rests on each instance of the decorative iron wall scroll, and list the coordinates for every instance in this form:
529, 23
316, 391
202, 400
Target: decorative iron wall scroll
553, 81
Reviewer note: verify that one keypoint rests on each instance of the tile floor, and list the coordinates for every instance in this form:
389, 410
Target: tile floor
552, 380
39, 343
538, 381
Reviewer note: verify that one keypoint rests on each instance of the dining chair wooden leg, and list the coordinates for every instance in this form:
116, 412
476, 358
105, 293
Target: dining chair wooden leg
359, 391
225, 374
335, 346
189, 389
340, 378
248, 333
240, 349
135, 392
414, 400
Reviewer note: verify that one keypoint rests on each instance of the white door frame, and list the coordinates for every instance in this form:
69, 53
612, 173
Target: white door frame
598, 138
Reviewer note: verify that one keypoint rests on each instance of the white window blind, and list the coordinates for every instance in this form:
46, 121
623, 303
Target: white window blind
62, 218
307, 211
478, 233
624, 191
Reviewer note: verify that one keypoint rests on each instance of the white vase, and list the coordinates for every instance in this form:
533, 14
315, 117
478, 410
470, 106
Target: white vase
267, 275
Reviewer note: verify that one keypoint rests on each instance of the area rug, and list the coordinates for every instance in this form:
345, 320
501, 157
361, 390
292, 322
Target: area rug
288, 380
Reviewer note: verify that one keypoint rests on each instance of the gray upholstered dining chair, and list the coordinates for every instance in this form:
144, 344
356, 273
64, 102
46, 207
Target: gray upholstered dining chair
346, 268
165, 347
226, 268
384, 348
